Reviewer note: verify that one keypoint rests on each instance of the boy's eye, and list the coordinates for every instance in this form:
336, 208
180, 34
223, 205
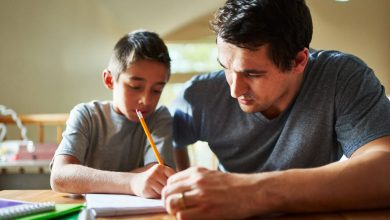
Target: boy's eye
158, 89
134, 87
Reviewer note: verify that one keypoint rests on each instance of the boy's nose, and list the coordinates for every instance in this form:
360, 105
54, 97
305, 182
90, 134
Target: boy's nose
143, 100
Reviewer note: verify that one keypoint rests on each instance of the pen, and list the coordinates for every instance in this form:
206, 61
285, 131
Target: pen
154, 148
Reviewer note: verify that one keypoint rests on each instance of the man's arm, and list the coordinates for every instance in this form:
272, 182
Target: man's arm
68, 175
358, 183
182, 160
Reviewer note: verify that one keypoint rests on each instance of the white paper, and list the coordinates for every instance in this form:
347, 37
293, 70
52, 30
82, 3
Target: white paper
113, 205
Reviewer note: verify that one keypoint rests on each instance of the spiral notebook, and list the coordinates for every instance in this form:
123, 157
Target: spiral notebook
20, 210
13, 209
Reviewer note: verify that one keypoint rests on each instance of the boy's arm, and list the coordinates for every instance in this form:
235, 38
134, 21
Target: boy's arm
68, 175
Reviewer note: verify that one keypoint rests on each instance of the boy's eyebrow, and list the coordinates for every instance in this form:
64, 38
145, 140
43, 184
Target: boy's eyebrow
143, 80
136, 78
161, 83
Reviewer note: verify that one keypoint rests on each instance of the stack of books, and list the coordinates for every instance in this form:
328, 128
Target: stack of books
14, 209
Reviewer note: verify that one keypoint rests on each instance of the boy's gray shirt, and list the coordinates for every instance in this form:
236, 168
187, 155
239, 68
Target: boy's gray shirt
340, 107
101, 138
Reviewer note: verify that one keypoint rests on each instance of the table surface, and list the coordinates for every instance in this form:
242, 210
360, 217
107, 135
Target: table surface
49, 195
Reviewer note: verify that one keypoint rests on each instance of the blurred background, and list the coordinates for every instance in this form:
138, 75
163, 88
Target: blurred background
52, 52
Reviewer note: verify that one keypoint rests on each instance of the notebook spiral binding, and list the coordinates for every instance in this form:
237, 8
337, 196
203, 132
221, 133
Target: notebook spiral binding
25, 209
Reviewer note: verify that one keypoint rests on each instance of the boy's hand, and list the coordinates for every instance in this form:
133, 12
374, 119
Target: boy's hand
150, 181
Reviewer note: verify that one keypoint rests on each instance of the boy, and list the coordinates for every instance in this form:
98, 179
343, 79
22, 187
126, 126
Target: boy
104, 148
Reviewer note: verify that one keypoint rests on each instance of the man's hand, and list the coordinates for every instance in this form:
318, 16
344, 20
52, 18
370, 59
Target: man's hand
199, 193
148, 181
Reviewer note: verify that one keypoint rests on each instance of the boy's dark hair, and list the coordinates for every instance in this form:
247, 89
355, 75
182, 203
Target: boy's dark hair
135, 46
285, 25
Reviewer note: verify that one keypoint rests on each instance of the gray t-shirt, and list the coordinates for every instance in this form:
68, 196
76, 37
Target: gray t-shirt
103, 139
340, 107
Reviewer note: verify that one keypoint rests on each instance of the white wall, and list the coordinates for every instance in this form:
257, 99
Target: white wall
360, 27
52, 52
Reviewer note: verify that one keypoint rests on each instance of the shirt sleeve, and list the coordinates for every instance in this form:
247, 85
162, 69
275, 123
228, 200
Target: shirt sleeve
75, 139
184, 129
362, 108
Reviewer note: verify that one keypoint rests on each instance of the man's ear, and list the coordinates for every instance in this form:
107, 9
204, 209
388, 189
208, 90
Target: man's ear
301, 60
108, 79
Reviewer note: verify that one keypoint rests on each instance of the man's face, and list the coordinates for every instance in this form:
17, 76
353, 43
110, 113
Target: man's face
255, 81
140, 88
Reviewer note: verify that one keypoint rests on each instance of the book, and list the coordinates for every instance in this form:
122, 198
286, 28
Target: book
8, 203
104, 205
60, 210
10, 209
21, 210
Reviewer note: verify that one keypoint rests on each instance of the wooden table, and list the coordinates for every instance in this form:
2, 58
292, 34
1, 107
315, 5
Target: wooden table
63, 198
48, 195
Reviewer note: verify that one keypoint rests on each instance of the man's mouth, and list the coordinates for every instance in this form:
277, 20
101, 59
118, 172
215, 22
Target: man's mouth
245, 100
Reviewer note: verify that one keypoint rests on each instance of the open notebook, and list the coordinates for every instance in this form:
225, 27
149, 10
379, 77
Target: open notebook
101, 205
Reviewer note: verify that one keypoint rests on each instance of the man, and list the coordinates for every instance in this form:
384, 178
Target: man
290, 116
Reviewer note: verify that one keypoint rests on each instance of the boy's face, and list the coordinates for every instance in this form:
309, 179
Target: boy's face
139, 87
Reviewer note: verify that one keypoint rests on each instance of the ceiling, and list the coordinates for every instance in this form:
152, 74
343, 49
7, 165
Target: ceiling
175, 20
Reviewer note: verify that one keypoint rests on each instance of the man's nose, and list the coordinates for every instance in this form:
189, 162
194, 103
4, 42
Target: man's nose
238, 87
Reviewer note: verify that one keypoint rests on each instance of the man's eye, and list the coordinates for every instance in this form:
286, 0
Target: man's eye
253, 75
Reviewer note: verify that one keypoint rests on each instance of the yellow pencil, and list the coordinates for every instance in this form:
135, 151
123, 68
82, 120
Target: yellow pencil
154, 148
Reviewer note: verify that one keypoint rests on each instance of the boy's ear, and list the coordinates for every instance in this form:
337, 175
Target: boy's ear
108, 79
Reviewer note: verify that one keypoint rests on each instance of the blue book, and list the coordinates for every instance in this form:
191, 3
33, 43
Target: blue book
8, 203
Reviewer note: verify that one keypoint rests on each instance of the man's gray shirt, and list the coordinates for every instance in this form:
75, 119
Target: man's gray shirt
340, 107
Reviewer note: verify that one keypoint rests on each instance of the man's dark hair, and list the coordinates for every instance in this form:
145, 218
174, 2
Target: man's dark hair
285, 25
135, 46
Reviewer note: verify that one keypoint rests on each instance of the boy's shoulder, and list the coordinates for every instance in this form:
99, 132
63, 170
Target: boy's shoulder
92, 107
161, 111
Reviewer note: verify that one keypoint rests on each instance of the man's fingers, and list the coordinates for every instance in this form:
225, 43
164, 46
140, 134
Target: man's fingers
191, 213
180, 201
185, 174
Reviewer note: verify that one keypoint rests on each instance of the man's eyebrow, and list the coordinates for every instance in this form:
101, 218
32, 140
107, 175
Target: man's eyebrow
252, 71
244, 70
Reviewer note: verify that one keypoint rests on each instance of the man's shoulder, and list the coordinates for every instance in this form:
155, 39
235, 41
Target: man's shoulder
213, 76
334, 56
205, 83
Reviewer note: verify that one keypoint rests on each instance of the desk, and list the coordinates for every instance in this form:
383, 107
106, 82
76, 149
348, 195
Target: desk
48, 195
